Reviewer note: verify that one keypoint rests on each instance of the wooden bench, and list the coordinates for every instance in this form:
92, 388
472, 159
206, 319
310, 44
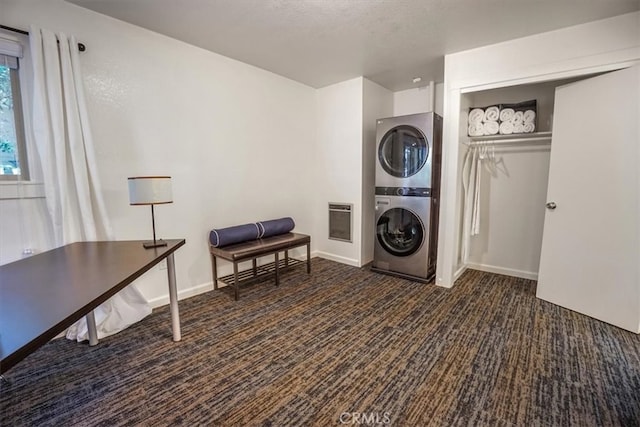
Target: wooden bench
254, 249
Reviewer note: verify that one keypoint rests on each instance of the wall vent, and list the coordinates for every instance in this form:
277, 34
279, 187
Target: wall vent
340, 221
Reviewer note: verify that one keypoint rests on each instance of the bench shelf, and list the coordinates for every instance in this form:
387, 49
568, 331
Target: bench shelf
261, 271
254, 249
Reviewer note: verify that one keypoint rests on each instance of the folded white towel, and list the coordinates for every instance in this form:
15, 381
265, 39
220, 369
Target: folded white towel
476, 129
491, 128
492, 114
529, 116
476, 115
506, 128
518, 116
529, 127
506, 114
518, 128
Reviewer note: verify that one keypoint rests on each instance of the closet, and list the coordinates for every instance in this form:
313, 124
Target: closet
563, 205
512, 185
598, 202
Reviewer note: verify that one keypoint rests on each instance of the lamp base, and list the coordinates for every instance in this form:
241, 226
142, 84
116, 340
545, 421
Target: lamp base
156, 244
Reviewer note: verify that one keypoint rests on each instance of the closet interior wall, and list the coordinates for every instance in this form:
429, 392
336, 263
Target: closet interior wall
513, 188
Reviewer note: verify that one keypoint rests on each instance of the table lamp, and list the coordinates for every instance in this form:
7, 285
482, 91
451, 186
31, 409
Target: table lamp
150, 190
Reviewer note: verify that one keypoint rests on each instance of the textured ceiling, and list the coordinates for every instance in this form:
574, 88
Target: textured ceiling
321, 42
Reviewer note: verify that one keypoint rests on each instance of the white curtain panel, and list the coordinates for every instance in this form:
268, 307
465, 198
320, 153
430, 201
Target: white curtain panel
72, 187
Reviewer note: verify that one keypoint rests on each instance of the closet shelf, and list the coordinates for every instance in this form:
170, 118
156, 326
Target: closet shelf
519, 139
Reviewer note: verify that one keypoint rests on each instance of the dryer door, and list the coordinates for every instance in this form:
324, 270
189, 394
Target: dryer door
400, 232
403, 151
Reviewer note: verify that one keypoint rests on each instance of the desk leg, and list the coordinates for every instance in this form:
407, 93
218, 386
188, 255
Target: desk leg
173, 297
91, 327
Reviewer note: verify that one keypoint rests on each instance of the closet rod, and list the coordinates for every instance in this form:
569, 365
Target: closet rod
81, 47
513, 141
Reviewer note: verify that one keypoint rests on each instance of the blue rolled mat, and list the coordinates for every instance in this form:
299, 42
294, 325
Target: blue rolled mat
275, 227
236, 234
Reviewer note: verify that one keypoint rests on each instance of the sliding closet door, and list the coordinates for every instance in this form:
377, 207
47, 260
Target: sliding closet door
590, 260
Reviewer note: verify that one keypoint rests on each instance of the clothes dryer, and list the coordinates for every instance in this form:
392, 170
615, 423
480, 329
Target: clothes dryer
406, 150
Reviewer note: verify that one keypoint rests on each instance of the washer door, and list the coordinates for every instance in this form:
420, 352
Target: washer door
403, 151
400, 232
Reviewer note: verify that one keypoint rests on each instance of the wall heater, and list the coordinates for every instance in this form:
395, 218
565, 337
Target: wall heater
340, 221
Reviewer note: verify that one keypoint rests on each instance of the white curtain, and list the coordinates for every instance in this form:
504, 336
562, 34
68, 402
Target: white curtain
64, 144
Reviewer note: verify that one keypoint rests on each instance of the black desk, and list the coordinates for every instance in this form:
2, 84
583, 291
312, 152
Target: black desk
43, 295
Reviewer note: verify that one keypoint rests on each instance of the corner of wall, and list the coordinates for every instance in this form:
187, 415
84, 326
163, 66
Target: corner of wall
418, 100
338, 163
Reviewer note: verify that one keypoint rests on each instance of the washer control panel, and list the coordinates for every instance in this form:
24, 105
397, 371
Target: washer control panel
403, 191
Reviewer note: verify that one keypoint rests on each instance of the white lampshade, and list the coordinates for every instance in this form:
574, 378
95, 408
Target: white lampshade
150, 190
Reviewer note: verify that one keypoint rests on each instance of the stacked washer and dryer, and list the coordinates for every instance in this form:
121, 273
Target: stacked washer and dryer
407, 195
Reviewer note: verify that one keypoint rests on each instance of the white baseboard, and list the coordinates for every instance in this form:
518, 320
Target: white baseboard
183, 293
337, 258
459, 272
206, 287
502, 270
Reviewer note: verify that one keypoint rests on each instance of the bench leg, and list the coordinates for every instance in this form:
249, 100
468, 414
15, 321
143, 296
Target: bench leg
286, 258
308, 258
255, 267
236, 285
277, 262
214, 271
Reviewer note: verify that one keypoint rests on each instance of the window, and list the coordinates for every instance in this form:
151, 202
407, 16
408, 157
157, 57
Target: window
13, 153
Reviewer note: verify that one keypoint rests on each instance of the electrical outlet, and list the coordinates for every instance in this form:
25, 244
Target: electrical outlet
162, 265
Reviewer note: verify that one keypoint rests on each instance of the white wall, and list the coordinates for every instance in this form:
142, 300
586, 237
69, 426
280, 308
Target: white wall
237, 140
244, 144
417, 100
377, 103
24, 223
573, 51
338, 165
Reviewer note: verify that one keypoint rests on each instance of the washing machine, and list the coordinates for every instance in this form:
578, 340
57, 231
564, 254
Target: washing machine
407, 192
404, 242
406, 150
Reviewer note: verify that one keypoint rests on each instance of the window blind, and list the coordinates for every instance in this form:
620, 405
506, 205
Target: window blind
10, 51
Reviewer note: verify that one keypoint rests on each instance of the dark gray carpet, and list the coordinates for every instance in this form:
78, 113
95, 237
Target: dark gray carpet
319, 348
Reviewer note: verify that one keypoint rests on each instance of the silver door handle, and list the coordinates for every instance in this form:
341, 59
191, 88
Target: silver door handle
551, 205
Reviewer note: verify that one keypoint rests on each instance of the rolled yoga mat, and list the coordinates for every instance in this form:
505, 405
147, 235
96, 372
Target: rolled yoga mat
243, 233
276, 226
228, 236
